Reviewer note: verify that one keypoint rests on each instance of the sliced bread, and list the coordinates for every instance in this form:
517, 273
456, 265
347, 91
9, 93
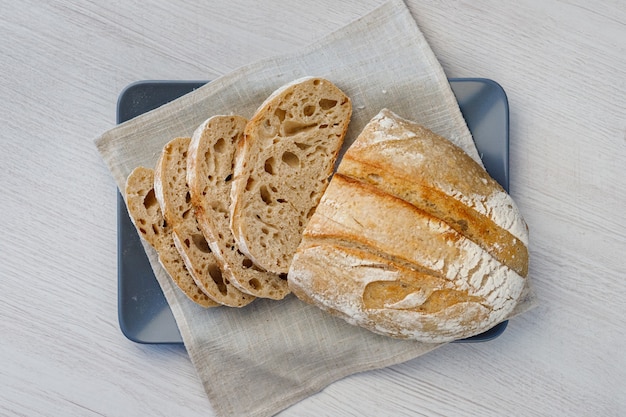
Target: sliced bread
283, 166
146, 215
172, 194
209, 174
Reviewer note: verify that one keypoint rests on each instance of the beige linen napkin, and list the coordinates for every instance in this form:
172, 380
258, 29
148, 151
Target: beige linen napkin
260, 359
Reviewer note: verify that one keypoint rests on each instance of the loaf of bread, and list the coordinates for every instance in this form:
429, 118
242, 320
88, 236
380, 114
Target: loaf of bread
210, 162
146, 215
281, 171
412, 239
173, 196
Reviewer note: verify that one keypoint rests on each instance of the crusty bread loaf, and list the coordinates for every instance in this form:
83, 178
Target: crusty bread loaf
173, 196
282, 169
146, 215
412, 239
210, 164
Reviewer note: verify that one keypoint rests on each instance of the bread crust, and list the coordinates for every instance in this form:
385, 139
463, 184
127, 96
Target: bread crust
409, 240
282, 168
431, 173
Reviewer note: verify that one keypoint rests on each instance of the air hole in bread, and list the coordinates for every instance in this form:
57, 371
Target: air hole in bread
248, 264
266, 130
216, 275
281, 200
155, 229
265, 195
308, 110
280, 113
302, 146
220, 145
150, 200
187, 197
254, 284
142, 221
316, 82
269, 165
323, 126
142, 230
250, 184
200, 242
310, 213
291, 159
228, 177
327, 104
186, 213
265, 230
291, 128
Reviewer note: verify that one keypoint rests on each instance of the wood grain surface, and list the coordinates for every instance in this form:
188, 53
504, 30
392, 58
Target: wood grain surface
63, 64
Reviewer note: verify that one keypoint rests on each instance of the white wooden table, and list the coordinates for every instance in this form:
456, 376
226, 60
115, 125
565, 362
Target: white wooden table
62, 66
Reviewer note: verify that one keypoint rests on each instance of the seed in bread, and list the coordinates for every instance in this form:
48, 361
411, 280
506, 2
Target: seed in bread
210, 164
173, 195
282, 169
147, 217
412, 239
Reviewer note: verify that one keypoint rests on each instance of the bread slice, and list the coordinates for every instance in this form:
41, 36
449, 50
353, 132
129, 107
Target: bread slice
209, 174
146, 215
282, 168
173, 196
412, 239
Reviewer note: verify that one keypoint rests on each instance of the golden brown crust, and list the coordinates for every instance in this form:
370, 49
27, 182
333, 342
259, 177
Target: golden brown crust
412, 239
461, 217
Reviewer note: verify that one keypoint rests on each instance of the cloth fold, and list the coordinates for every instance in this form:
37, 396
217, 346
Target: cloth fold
260, 359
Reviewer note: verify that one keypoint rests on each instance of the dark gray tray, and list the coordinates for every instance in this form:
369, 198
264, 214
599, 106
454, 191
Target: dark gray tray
145, 316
